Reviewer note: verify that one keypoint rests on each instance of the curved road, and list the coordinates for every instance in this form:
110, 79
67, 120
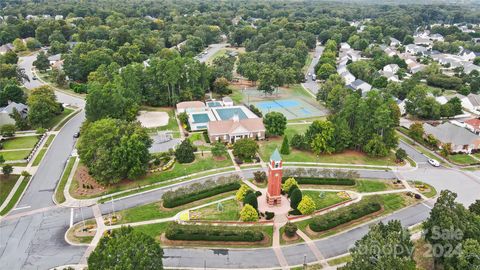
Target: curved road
32, 235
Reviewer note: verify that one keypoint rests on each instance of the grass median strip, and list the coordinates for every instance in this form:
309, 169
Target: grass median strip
39, 156
59, 197
16, 196
65, 120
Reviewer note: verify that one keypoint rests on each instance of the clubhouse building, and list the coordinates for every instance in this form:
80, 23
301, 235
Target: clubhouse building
223, 121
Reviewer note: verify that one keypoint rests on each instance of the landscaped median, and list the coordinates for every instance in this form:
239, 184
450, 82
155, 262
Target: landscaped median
59, 192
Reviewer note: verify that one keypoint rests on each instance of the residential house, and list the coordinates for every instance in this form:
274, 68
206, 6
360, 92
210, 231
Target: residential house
361, 85
437, 37
6, 111
394, 42
415, 49
56, 61
391, 68
474, 100
469, 67
468, 55
466, 104
461, 139
415, 67
344, 46
389, 52
6, 48
58, 17
473, 125
348, 77
422, 41
234, 129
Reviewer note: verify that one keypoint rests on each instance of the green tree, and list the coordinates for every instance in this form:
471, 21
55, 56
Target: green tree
219, 149
289, 183
220, 86
469, 257
248, 213
114, 149
325, 71
42, 106
7, 169
275, 123
306, 206
322, 133
185, 152
400, 154
475, 207
295, 198
245, 149
285, 149
19, 45
42, 63
242, 192
7, 130
251, 199
11, 92
385, 246
126, 248
416, 131
376, 147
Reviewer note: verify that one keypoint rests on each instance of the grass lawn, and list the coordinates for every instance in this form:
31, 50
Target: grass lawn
370, 185
424, 188
216, 55
16, 196
15, 155
230, 212
340, 260
57, 118
39, 157
205, 163
462, 159
236, 95
347, 157
153, 230
59, 197
6, 185
65, 120
49, 140
295, 129
298, 90
307, 62
198, 136
328, 199
20, 142
156, 211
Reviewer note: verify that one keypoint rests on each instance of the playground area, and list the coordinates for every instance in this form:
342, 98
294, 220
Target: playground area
292, 102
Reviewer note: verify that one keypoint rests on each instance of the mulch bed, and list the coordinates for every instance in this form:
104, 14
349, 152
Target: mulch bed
290, 239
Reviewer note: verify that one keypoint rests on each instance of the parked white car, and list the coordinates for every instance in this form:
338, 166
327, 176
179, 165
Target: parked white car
434, 163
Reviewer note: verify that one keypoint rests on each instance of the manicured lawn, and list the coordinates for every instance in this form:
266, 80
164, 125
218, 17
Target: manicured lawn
198, 136
236, 95
201, 164
156, 211
59, 197
231, 211
57, 118
16, 196
49, 140
325, 200
295, 129
20, 142
15, 155
370, 186
39, 157
340, 260
393, 202
462, 159
424, 188
347, 157
153, 230
6, 185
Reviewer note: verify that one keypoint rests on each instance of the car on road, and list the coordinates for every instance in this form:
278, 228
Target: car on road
34, 78
433, 162
76, 135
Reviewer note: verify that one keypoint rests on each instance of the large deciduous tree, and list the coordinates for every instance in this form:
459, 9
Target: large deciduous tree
245, 149
42, 63
126, 248
42, 106
114, 149
275, 123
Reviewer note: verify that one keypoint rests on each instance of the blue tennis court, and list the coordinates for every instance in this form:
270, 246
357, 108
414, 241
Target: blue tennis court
291, 108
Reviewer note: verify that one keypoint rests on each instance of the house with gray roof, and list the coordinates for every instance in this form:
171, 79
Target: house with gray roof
6, 48
474, 100
6, 111
360, 85
460, 138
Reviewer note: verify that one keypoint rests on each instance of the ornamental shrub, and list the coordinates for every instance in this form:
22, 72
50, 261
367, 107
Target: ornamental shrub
343, 215
269, 215
290, 229
248, 213
242, 192
185, 152
289, 183
285, 149
260, 176
306, 205
295, 198
324, 181
212, 233
251, 199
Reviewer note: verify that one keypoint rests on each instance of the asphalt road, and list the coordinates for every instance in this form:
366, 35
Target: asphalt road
211, 50
310, 84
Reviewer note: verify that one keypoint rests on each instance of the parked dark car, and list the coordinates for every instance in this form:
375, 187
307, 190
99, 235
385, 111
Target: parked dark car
76, 135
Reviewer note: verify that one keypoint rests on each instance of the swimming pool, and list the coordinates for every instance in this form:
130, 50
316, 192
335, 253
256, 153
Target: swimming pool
228, 113
212, 104
200, 118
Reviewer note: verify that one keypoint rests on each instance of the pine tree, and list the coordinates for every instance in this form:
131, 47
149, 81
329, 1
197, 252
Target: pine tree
285, 150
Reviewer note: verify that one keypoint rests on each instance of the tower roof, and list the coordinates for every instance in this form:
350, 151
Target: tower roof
276, 155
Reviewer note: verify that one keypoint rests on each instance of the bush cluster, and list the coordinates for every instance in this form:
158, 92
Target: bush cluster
324, 181
343, 215
269, 215
290, 229
212, 233
200, 191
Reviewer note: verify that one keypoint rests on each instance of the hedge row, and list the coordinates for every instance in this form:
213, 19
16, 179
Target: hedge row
343, 215
200, 194
212, 233
323, 181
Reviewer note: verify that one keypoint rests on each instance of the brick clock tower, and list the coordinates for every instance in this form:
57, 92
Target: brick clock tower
274, 196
